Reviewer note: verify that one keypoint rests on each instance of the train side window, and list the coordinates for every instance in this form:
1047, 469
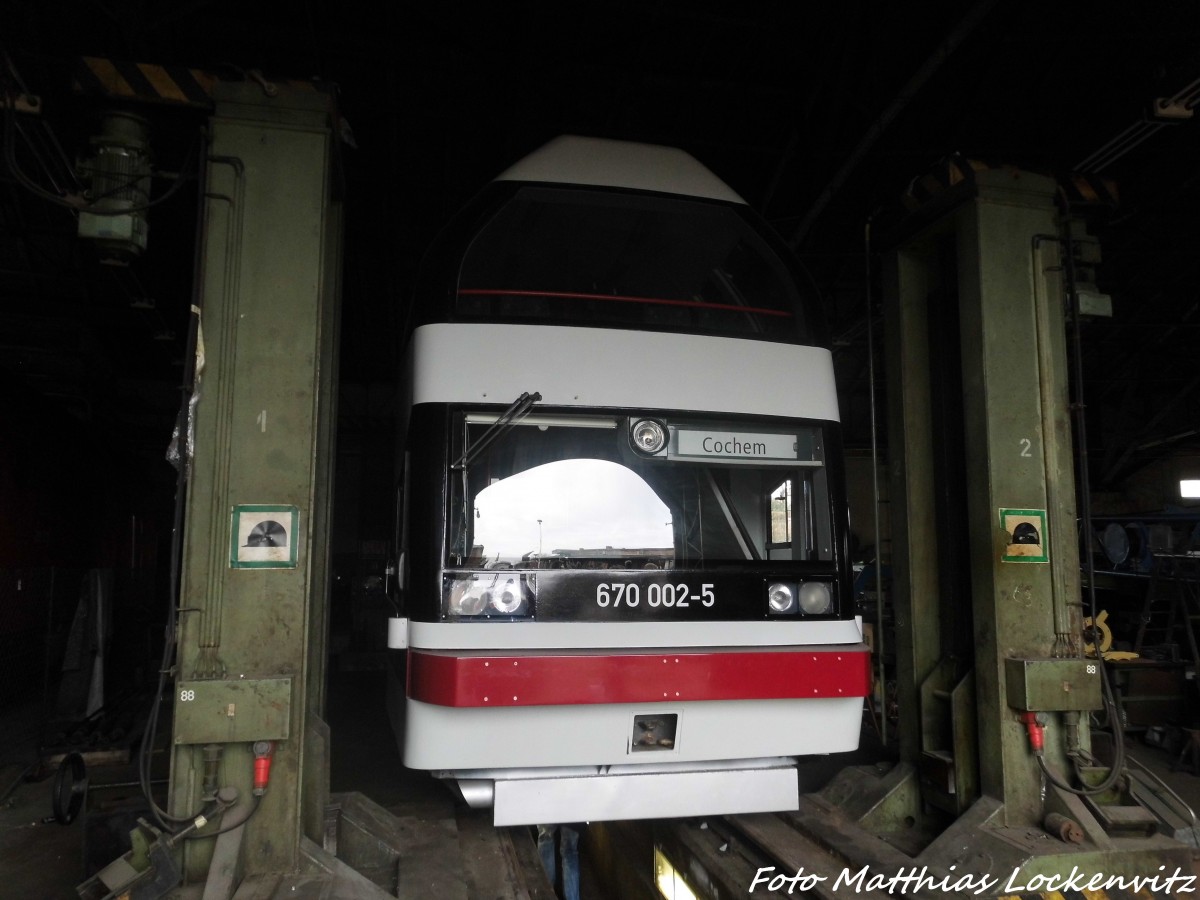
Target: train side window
795, 531
781, 514
781, 525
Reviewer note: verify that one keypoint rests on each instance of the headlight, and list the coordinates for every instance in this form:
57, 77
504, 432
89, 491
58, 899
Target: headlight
815, 598
808, 598
474, 604
467, 597
648, 436
509, 599
487, 594
781, 598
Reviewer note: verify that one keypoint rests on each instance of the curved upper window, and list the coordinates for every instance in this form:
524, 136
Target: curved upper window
576, 256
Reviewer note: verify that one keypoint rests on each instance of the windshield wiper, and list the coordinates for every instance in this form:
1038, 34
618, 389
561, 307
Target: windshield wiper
510, 417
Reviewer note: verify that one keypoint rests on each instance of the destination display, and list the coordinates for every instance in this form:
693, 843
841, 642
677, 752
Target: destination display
736, 445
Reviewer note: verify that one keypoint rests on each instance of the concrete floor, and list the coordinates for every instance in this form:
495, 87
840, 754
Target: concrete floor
42, 860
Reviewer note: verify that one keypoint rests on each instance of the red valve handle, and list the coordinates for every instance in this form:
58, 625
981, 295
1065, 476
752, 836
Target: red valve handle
263, 751
1037, 732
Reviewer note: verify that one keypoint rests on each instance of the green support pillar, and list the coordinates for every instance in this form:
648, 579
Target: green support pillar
254, 599
1018, 458
983, 263
910, 279
986, 580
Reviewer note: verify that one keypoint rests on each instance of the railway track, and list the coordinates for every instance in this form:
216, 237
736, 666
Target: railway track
814, 853
764, 855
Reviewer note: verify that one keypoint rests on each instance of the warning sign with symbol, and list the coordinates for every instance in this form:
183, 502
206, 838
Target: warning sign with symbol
264, 536
1025, 535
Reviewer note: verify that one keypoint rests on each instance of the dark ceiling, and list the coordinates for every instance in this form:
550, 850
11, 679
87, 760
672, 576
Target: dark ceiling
819, 114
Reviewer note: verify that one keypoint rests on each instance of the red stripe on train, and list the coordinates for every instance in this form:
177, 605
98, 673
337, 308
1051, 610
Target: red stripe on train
445, 679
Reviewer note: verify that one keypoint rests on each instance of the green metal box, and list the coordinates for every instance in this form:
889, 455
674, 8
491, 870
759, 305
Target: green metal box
245, 710
1053, 685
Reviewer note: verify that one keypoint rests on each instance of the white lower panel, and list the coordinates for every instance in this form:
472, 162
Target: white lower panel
646, 795
442, 737
507, 636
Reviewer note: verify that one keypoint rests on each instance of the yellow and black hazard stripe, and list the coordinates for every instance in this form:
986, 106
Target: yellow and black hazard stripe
1076, 189
146, 82
949, 173
1091, 190
167, 84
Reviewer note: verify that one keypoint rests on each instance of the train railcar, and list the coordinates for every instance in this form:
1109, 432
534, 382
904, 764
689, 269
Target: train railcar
623, 576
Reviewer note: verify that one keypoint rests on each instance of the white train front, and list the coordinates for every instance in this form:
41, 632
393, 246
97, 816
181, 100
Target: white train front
623, 579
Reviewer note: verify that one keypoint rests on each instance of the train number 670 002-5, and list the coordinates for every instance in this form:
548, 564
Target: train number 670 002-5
680, 595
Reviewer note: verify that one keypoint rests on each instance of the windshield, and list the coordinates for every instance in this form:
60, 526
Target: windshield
571, 492
586, 257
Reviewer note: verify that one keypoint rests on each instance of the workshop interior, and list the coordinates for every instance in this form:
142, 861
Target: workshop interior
629, 451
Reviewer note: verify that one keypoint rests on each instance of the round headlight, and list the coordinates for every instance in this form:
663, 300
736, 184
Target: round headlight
465, 601
648, 436
781, 598
509, 600
815, 598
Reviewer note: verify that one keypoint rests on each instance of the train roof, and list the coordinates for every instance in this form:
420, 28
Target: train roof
571, 159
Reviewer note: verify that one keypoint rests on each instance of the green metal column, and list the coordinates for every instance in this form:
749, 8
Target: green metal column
986, 579
912, 275
1019, 457
983, 256
254, 604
